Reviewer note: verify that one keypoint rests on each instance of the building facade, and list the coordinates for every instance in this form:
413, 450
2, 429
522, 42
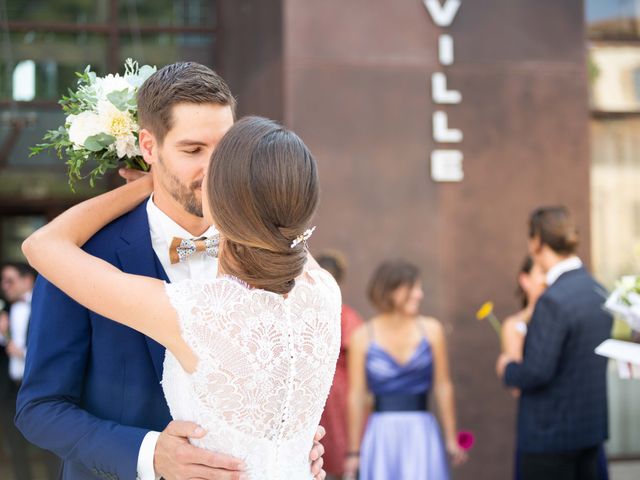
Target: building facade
438, 126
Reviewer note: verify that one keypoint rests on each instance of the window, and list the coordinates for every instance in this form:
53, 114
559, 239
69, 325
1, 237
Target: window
43, 44
46, 41
615, 80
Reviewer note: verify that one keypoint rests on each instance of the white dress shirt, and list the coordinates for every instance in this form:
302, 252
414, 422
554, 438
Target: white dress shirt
554, 273
19, 326
199, 266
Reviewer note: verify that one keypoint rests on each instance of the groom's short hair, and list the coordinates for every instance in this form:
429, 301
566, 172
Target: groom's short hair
182, 82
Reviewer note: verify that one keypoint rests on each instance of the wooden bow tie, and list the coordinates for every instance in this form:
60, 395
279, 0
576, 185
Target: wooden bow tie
182, 249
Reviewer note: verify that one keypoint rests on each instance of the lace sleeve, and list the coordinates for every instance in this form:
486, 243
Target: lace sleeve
193, 302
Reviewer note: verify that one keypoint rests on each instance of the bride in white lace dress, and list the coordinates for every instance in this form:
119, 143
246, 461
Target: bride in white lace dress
250, 354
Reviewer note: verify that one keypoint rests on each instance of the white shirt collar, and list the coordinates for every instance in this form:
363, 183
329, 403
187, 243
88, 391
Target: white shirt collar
26, 298
163, 228
571, 263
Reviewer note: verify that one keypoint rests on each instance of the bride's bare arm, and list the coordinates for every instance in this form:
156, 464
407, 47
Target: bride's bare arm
133, 300
81, 222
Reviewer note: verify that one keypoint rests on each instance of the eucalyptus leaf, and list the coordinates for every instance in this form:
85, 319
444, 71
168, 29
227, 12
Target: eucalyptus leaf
120, 99
98, 142
146, 71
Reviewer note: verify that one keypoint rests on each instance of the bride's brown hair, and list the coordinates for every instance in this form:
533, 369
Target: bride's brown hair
262, 189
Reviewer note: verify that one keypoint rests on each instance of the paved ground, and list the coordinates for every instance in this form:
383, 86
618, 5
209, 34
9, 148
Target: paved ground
625, 470
618, 471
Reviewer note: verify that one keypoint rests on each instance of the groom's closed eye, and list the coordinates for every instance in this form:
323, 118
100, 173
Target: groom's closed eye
194, 151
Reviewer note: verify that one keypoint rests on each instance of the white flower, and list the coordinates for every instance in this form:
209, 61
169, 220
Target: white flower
634, 299
627, 283
625, 301
115, 122
127, 146
111, 83
82, 126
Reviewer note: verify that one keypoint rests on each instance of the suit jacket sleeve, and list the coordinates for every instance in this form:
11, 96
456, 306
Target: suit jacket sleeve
547, 333
48, 411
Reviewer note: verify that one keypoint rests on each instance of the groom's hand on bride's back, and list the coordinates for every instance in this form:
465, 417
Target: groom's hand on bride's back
176, 459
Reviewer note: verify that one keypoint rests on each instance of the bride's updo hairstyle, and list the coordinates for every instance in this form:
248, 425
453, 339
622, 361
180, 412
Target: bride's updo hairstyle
262, 188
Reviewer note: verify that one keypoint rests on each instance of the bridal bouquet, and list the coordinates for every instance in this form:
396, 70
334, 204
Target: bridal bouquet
625, 300
101, 124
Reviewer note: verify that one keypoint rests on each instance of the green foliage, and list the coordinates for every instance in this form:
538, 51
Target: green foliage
84, 98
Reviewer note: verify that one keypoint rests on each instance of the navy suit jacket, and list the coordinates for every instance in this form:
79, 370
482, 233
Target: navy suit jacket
563, 405
91, 389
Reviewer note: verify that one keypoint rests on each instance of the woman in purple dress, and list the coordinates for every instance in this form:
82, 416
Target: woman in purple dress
400, 357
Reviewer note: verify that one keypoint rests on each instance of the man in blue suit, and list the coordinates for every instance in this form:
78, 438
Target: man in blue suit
562, 415
91, 391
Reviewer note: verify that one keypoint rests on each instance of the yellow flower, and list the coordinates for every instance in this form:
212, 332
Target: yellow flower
485, 311
120, 124
115, 122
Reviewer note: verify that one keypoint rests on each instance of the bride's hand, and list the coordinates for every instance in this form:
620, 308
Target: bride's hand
130, 174
141, 180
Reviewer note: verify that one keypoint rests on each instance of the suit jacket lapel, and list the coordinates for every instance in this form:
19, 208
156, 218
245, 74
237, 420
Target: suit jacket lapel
137, 257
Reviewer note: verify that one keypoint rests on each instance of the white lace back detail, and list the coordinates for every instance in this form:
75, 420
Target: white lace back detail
265, 368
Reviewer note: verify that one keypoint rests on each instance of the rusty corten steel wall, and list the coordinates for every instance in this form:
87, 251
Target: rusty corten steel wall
353, 78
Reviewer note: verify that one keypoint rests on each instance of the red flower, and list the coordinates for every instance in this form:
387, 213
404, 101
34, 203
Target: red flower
466, 440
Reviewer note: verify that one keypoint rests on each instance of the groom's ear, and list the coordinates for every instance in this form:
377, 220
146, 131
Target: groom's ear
148, 146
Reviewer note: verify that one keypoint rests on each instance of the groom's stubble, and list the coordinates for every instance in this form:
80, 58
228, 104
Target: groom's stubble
185, 195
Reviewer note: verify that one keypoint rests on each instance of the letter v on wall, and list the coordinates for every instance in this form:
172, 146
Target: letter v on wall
442, 14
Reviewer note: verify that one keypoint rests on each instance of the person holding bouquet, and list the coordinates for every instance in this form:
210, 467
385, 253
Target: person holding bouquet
531, 284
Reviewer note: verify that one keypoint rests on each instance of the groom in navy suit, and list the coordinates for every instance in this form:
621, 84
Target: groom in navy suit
91, 391
562, 414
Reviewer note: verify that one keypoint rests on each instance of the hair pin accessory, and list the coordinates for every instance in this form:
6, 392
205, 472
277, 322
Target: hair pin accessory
303, 237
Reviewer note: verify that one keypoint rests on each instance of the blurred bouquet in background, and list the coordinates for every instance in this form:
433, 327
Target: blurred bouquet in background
625, 300
101, 124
